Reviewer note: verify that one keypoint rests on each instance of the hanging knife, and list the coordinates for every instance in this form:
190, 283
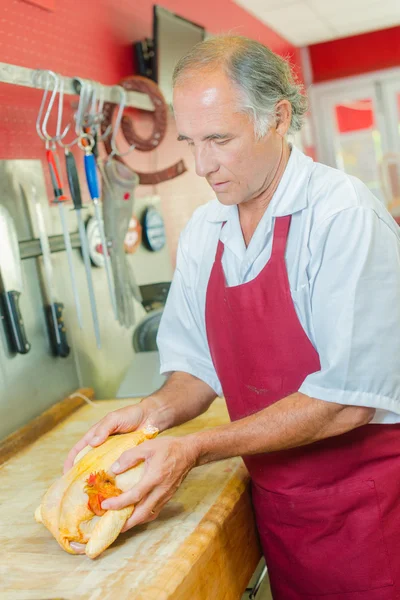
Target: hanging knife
59, 199
75, 190
54, 311
93, 185
11, 275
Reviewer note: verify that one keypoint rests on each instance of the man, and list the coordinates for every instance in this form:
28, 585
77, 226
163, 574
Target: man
286, 300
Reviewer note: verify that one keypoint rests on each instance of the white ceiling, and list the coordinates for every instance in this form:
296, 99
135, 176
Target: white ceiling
305, 22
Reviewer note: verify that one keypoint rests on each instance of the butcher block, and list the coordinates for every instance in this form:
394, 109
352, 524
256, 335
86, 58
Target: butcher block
203, 546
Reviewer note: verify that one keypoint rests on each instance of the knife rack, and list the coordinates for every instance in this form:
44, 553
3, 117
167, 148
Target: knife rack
16, 75
31, 248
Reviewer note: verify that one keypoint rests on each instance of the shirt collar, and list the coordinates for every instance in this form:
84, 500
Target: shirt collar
289, 198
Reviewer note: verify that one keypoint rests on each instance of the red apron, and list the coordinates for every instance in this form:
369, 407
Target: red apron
328, 514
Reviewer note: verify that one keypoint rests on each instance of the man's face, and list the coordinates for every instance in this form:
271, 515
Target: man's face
227, 153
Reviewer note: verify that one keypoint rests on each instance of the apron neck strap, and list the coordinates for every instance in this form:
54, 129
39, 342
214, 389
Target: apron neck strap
220, 247
281, 232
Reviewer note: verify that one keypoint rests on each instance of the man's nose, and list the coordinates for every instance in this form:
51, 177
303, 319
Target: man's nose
205, 162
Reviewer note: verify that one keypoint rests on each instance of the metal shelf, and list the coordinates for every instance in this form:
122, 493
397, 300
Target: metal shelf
16, 75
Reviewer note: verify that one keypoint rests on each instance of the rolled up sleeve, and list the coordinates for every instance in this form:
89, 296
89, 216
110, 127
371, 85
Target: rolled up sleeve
182, 339
354, 277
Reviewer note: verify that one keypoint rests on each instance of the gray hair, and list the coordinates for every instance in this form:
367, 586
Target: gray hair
262, 77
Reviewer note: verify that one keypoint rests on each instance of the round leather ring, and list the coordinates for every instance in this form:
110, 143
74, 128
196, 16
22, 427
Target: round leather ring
137, 83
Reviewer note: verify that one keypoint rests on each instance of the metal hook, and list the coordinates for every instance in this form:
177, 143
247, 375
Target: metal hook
100, 107
122, 104
60, 136
85, 90
37, 77
41, 128
46, 134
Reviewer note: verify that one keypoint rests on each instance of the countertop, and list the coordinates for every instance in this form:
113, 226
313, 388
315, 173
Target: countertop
203, 546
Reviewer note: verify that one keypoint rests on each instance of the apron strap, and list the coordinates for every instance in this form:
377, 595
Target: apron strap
281, 232
220, 247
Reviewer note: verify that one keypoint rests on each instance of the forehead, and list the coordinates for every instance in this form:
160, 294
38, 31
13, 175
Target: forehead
205, 98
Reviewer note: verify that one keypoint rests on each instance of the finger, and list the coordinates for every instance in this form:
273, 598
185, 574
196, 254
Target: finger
108, 425
130, 458
132, 496
147, 510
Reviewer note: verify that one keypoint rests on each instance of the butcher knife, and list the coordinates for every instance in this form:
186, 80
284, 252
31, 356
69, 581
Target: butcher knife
54, 310
11, 275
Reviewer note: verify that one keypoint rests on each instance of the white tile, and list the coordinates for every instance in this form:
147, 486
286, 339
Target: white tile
256, 6
304, 22
340, 9
297, 23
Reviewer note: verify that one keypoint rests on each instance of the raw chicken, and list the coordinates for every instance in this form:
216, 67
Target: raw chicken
71, 508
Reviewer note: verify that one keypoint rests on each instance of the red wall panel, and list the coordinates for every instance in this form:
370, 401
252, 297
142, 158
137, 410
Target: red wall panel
355, 55
93, 39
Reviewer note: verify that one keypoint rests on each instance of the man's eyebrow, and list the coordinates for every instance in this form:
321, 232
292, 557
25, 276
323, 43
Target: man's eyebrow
212, 136
217, 136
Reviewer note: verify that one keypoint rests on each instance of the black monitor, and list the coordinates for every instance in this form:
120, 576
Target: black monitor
173, 36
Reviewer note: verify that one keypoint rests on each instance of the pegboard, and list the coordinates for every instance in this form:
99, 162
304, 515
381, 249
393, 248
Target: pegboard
93, 39
76, 39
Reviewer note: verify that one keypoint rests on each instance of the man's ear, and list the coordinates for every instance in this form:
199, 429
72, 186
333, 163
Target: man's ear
283, 117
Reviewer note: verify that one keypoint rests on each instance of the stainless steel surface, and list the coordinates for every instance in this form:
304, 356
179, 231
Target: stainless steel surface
48, 267
107, 261
38, 375
142, 377
10, 266
89, 280
258, 584
71, 268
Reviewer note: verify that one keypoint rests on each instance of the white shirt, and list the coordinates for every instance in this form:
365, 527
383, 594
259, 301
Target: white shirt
343, 261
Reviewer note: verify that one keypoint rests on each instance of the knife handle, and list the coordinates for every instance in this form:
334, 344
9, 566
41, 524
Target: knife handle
15, 324
60, 348
91, 175
73, 180
55, 177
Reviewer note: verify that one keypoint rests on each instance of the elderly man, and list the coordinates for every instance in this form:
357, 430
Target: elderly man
286, 300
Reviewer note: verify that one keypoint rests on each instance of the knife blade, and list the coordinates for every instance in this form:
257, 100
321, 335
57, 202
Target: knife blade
75, 189
11, 275
54, 310
59, 199
93, 186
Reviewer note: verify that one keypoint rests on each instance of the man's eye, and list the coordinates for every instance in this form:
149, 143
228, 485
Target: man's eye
221, 142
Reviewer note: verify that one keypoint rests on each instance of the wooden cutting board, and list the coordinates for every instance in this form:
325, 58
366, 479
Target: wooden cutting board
203, 546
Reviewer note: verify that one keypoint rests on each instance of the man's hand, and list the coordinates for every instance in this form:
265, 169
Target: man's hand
123, 420
163, 409
167, 462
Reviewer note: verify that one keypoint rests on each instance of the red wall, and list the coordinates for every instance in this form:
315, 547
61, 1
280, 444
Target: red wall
356, 55
92, 39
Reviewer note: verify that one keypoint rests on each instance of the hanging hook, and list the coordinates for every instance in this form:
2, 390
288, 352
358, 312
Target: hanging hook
85, 89
46, 134
60, 136
41, 128
100, 107
122, 104
37, 80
